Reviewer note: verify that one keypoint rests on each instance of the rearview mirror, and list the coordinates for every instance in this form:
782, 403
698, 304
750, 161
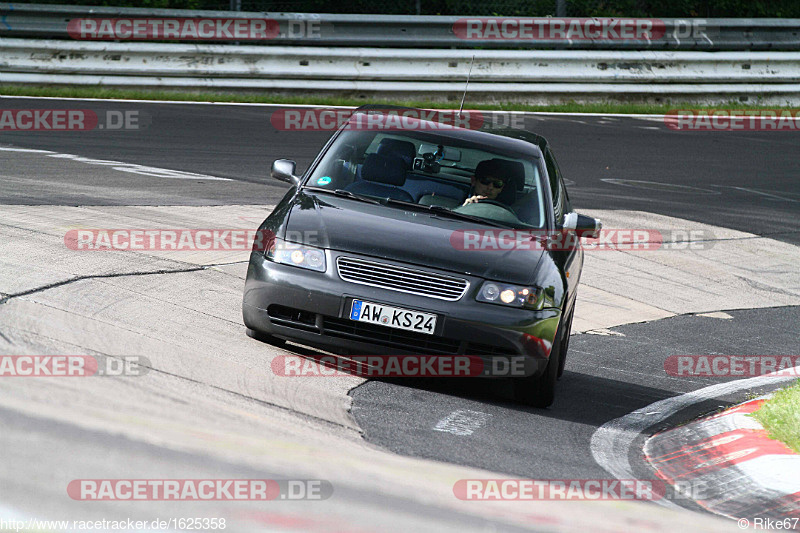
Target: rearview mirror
582, 225
449, 154
283, 170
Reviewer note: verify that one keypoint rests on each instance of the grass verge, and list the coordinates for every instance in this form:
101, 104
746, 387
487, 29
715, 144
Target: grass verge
133, 94
780, 416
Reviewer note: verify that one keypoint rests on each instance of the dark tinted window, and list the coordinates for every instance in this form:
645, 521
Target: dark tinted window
556, 187
562, 187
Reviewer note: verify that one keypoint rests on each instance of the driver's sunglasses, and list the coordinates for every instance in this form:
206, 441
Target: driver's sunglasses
497, 184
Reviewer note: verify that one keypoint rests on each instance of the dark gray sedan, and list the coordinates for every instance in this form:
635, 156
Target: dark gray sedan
424, 240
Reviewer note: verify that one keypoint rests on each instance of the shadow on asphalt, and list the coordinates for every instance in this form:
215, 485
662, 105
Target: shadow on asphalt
580, 398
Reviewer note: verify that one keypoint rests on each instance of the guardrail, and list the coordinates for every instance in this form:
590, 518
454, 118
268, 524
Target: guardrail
50, 22
227, 62
529, 75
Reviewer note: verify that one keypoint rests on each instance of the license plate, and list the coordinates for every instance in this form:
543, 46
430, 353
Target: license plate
393, 317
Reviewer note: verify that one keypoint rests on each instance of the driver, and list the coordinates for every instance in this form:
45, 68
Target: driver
488, 181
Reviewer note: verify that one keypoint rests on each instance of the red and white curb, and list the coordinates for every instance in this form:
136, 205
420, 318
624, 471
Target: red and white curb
735, 468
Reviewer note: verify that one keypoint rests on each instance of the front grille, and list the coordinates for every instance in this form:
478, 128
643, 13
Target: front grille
401, 279
395, 338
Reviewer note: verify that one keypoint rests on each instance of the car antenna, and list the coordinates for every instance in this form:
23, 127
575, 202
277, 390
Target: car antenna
460, 109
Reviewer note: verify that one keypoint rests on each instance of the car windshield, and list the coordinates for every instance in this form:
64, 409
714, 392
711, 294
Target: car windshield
452, 172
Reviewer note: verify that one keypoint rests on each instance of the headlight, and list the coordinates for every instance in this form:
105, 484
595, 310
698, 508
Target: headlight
494, 292
299, 255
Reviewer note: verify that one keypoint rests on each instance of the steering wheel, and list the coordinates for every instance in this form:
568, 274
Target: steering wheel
495, 202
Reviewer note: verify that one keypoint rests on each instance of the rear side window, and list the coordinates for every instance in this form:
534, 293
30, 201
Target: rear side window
560, 206
562, 188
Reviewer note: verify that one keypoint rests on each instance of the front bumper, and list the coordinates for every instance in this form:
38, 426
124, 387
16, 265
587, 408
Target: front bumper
313, 308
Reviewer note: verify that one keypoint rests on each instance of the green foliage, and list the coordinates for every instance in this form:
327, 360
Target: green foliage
160, 4
521, 8
208, 96
780, 416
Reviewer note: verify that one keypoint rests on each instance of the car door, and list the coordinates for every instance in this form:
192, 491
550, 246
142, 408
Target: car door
570, 257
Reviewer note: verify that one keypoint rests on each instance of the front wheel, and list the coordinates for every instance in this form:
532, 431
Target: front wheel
540, 391
565, 344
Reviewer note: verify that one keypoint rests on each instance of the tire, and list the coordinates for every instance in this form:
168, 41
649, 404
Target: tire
565, 344
540, 391
264, 337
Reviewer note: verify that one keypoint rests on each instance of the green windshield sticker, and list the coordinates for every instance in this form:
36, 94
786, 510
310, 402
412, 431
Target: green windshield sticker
324, 180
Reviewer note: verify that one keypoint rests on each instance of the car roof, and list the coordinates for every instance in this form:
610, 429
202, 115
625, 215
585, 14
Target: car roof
507, 138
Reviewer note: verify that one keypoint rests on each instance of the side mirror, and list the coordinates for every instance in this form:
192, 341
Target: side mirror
283, 170
582, 225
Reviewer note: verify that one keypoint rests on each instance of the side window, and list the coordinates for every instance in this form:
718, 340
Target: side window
373, 146
562, 187
556, 187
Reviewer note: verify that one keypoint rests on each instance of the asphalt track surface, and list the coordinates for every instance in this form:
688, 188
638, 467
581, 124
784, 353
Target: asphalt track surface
739, 180
606, 377
746, 181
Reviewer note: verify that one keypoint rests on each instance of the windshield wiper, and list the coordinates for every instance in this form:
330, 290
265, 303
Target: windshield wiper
346, 194
437, 209
412, 205
441, 210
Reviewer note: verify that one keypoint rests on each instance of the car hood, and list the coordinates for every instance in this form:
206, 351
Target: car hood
414, 237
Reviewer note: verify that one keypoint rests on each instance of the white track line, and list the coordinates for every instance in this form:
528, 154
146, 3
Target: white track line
611, 443
133, 168
26, 150
462, 422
